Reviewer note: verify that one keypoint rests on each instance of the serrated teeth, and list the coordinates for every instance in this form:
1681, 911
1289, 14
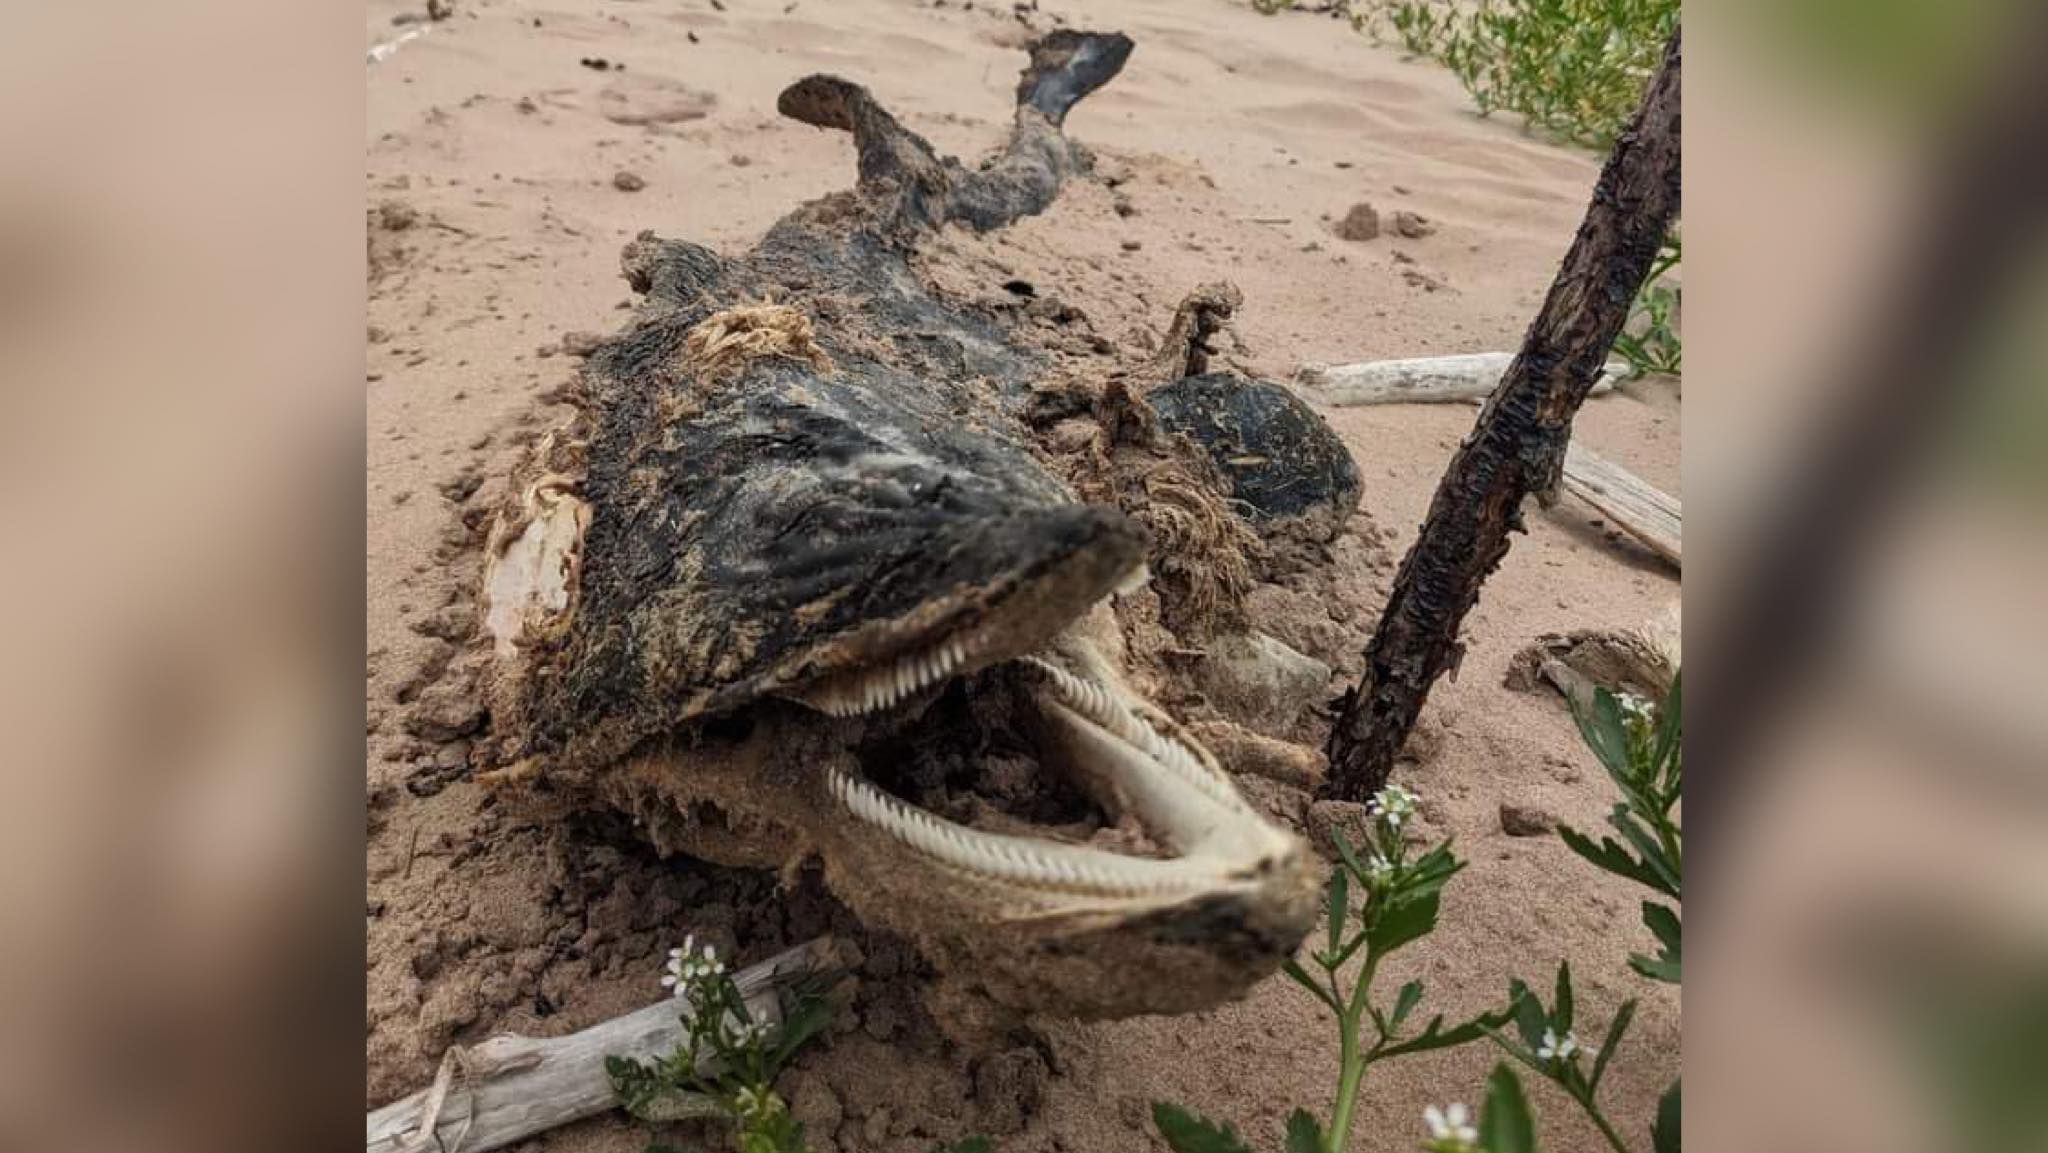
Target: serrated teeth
1029, 862
876, 689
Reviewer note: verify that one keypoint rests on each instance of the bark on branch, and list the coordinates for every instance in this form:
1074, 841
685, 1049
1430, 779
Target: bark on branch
1517, 448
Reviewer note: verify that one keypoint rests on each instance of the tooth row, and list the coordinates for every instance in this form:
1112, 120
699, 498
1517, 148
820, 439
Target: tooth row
885, 687
1041, 864
1099, 705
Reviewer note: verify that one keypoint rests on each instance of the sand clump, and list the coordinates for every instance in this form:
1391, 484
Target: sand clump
1360, 222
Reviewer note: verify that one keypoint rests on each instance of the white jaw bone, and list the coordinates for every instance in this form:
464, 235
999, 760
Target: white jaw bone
1180, 795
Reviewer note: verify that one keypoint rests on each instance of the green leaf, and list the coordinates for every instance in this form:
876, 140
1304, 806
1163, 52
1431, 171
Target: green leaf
1303, 1134
1656, 968
1346, 953
1435, 1036
1427, 873
1504, 1122
1664, 1130
1404, 1003
1664, 925
1401, 923
1561, 1009
1187, 1133
1340, 896
1662, 922
1346, 854
1615, 1029
1647, 845
975, 1144
1530, 1019
1666, 750
1601, 727
1293, 969
804, 1020
1610, 855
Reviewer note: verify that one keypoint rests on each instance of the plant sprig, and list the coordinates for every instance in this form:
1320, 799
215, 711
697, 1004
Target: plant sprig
726, 1063
1573, 68
1545, 1042
1399, 901
1639, 745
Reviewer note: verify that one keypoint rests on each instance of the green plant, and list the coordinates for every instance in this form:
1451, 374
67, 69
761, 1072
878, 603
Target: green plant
1401, 897
1649, 342
1506, 1124
1546, 1043
726, 1063
1641, 747
1574, 68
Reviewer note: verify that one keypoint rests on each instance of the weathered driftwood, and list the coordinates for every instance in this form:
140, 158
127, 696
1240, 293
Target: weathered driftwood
508, 1088
1517, 448
1644, 512
1421, 380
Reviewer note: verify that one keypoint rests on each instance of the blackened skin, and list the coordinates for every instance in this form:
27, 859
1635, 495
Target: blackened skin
756, 530
759, 529
1281, 457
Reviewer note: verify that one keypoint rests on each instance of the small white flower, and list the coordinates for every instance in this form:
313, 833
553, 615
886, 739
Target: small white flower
1451, 1123
1378, 868
689, 966
1392, 800
676, 975
1392, 805
1554, 1049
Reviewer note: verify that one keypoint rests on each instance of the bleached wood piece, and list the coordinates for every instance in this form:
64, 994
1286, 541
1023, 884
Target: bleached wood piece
1420, 380
508, 1088
1640, 510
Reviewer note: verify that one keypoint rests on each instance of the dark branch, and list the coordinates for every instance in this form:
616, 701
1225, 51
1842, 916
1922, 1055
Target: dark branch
1517, 448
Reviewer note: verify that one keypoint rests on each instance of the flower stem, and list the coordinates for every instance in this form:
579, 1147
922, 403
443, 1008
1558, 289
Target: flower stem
1351, 1058
1606, 1129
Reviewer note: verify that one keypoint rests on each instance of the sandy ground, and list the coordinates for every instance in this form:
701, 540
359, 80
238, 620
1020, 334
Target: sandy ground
1236, 140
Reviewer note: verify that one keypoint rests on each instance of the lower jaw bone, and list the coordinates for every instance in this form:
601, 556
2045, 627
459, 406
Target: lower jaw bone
1184, 800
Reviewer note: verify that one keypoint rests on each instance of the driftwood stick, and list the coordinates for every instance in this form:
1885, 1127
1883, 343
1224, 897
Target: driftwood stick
1421, 380
1637, 508
508, 1088
1517, 448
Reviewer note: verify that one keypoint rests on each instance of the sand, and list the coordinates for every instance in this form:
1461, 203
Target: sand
1228, 149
